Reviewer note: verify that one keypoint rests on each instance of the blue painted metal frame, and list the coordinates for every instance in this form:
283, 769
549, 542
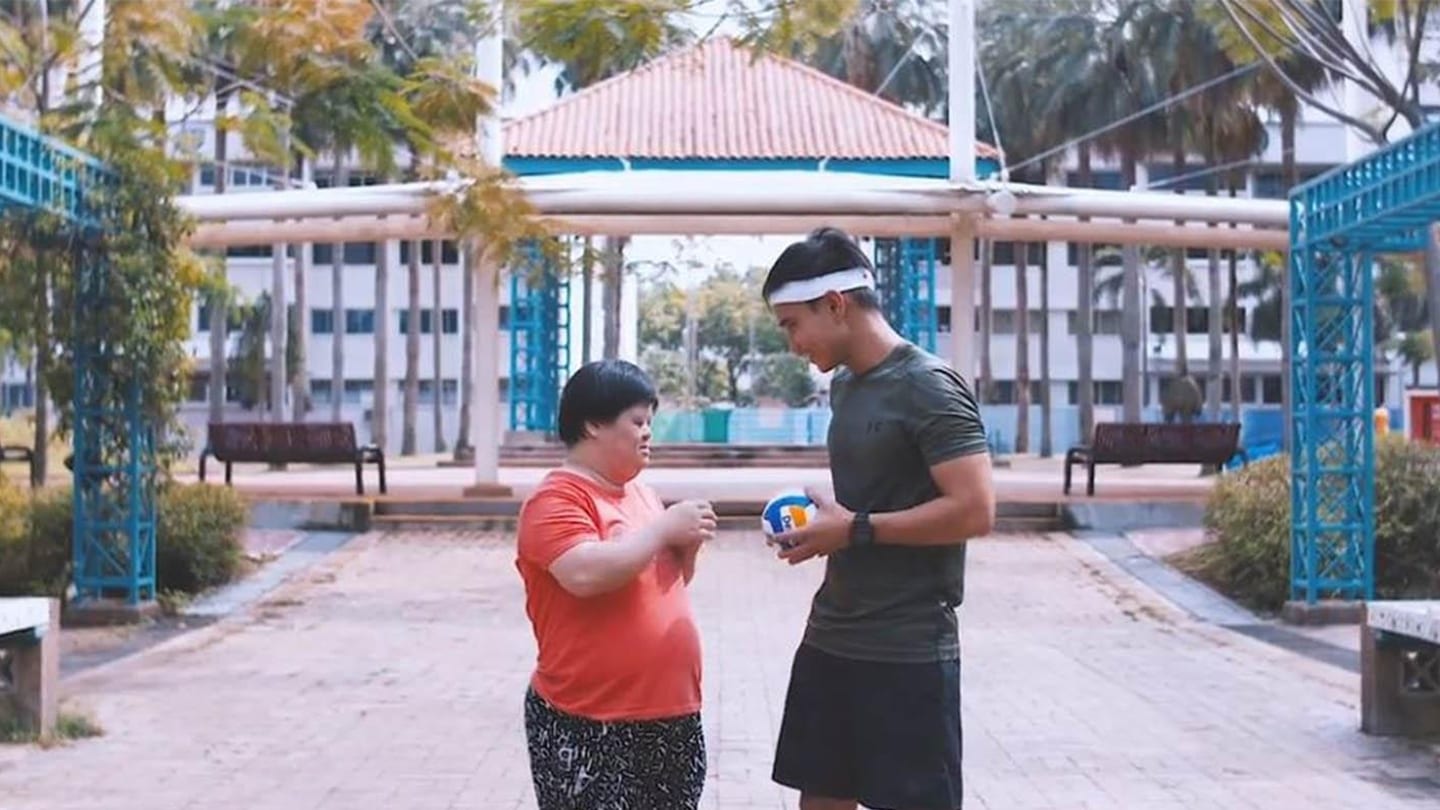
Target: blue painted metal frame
1339, 221
113, 498
539, 340
905, 280
911, 167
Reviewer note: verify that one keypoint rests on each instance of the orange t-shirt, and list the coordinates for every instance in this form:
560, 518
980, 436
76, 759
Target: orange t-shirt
630, 654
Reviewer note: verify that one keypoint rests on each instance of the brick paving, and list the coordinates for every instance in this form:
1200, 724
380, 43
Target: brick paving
391, 676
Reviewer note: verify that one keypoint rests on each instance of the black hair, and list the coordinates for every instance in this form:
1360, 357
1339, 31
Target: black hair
824, 251
598, 392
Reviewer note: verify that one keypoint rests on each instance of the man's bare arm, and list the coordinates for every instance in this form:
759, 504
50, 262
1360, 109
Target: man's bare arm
964, 510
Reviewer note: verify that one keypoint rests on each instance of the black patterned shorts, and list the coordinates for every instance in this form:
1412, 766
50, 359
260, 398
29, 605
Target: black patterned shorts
582, 764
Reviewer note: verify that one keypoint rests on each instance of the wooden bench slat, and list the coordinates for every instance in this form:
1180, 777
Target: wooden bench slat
1154, 443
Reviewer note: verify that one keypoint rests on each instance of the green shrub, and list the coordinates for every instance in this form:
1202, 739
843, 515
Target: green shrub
14, 540
51, 538
197, 543
1248, 519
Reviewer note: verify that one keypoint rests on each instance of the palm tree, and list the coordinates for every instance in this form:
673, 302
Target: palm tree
1023, 85
894, 50
352, 114
1094, 74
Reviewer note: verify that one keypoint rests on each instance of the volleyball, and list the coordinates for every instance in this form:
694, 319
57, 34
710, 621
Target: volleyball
786, 512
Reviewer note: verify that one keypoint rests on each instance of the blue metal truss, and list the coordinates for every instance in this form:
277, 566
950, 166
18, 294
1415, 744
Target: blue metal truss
1338, 223
114, 497
539, 340
905, 277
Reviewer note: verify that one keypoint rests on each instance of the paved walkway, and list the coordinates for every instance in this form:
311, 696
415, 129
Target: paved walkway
391, 676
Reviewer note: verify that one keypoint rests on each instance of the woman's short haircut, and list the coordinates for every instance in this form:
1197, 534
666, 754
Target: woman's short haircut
598, 393
826, 250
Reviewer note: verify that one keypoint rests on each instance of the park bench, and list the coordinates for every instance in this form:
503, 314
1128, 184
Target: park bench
1133, 443
14, 454
30, 660
1400, 668
291, 443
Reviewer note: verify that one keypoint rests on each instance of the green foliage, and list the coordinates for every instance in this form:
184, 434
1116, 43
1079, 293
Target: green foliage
197, 540
593, 40
249, 366
785, 377
198, 543
142, 316
1248, 517
667, 369
34, 541
734, 336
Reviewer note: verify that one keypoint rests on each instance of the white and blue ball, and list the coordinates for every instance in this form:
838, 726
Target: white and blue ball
786, 512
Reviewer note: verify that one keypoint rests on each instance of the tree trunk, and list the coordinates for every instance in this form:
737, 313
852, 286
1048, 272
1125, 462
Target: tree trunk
437, 322
1432, 289
1085, 317
337, 303
611, 294
987, 322
1130, 338
219, 316
1022, 348
468, 268
1047, 439
1234, 335
380, 388
411, 405
1290, 177
279, 332
1179, 305
300, 375
40, 466
1215, 379
587, 289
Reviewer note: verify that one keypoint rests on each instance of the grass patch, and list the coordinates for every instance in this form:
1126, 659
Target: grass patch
68, 727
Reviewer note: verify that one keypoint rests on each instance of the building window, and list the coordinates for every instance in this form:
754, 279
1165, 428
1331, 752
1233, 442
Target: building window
1106, 321
1270, 389
322, 322
359, 322
450, 321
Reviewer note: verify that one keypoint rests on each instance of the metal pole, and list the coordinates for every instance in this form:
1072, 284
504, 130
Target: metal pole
485, 326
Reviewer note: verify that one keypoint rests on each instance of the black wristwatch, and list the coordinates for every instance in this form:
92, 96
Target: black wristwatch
862, 532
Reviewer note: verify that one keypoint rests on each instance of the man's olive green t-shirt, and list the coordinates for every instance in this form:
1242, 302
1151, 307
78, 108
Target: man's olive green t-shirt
888, 427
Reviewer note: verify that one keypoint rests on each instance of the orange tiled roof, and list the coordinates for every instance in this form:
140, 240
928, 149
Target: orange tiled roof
713, 102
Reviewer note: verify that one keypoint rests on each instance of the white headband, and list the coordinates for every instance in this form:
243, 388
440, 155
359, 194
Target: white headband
809, 289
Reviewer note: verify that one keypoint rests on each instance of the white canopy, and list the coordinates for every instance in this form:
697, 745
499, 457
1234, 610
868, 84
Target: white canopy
756, 202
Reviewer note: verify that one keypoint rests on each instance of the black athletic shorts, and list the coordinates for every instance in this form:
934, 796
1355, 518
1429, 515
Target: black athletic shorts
885, 735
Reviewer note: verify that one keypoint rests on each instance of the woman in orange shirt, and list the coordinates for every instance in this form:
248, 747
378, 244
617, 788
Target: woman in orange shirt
612, 715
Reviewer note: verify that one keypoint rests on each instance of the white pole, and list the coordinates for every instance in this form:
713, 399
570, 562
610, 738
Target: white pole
962, 298
962, 170
485, 329
962, 90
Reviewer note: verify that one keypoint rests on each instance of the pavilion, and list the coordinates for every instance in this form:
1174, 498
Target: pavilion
716, 140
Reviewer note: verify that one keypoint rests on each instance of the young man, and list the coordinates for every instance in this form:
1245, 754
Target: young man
873, 711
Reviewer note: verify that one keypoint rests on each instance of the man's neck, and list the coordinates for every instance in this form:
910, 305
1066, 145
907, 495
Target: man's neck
871, 342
